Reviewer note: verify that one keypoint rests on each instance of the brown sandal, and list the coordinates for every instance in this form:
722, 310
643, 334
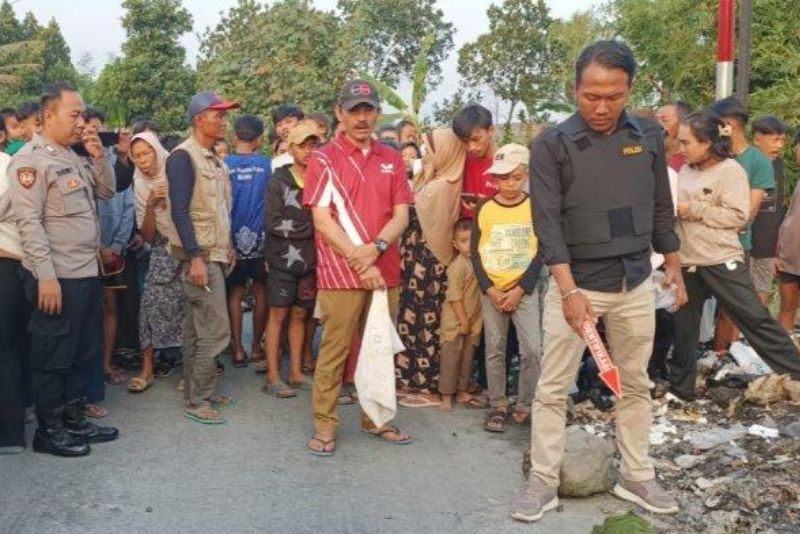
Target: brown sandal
474, 403
95, 411
495, 421
137, 384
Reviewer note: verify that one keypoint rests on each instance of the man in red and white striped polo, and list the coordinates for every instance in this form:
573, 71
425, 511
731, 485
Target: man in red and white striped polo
359, 196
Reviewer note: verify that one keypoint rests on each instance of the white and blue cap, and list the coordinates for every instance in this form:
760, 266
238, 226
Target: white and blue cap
208, 100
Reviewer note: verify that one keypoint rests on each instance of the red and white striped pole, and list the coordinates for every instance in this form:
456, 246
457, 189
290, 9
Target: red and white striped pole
725, 38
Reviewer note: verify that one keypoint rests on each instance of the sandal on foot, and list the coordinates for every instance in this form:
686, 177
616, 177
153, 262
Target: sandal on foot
299, 385
222, 400
260, 367
95, 411
324, 451
114, 377
381, 433
345, 399
240, 362
204, 414
418, 401
521, 418
137, 384
495, 421
279, 390
474, 403
163, 370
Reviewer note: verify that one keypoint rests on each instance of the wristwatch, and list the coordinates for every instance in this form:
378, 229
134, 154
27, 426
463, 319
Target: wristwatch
381, 245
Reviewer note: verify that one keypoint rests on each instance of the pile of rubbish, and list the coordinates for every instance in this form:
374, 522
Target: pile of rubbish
731, 458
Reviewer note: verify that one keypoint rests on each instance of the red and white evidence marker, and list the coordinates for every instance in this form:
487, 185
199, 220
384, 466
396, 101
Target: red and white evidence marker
609, 373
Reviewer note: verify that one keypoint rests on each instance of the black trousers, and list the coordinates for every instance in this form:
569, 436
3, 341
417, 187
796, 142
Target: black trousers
128, 306
64, 345
662, 342
14, 370
737, 297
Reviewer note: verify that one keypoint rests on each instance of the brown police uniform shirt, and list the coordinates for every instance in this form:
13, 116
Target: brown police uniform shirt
53, 193
462, 285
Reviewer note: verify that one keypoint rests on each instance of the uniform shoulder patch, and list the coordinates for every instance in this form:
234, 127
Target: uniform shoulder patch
26, 177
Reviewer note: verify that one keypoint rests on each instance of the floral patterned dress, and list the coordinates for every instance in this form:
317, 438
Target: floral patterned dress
424, 283
163, 304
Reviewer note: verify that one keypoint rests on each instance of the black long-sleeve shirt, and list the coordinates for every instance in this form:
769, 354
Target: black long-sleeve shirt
180, 175
552, 175
531, 273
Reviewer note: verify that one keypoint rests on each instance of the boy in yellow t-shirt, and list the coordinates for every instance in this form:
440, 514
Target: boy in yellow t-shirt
507, 267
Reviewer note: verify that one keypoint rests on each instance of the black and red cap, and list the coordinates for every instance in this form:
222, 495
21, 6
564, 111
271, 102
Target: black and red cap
355, 92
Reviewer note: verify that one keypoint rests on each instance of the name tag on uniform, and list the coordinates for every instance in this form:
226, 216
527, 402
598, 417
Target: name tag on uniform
632, 150
64, 171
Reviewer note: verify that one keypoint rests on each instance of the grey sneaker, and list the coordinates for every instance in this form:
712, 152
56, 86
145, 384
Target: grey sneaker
647, 494
534, 500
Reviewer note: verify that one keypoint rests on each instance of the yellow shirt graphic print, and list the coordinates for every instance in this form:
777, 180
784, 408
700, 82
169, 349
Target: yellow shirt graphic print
508, 243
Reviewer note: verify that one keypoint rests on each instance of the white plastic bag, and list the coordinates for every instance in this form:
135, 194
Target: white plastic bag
749, 361
375, 378
666, 296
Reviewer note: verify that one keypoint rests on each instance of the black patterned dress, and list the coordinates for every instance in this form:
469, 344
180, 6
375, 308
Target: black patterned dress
163, 304
424, 283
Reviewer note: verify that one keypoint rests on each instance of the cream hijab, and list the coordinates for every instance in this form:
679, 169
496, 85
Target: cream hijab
437, 191
143, 184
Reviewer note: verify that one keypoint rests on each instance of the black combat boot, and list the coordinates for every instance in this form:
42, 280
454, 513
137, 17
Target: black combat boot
77, 425
52, 438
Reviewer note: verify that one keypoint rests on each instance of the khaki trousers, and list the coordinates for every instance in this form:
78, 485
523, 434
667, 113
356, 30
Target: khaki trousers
344, 312
456, 365
206, 333
630, 325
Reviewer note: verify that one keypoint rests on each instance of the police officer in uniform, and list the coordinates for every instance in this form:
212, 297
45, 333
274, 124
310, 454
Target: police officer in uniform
52, 195
602, 203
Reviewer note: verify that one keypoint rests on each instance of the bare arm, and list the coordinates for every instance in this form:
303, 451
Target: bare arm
364, 256
148, 228
756, 196
461, 313
396, 225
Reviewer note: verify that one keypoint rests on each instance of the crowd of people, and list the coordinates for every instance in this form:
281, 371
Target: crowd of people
493, 258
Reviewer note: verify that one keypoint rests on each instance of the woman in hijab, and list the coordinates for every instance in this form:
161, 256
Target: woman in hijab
162, 308
427, 249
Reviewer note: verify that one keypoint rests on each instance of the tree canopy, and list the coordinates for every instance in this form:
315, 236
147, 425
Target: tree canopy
31, 55
151, 78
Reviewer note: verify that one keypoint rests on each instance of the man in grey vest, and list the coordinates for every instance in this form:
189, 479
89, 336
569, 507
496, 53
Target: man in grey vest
200, 206
602, 203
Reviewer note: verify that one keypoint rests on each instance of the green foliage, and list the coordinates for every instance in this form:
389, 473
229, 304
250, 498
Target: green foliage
677, 55
570, 37
31, 56
152, 78
515, 58
443, 111
407, 110
385, 38
264, 55
674, 42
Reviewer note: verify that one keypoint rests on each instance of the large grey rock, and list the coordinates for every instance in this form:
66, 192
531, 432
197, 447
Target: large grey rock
587, 468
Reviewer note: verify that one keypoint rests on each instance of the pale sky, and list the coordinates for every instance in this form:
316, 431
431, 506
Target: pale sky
94, 27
